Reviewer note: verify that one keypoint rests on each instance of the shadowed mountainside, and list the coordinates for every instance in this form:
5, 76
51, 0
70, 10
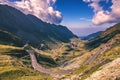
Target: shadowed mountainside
91, 36
30, 28
9, 38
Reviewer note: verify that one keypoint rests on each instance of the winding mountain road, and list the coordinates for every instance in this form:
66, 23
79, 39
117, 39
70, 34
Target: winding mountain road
39, 68
102, 49
91, 59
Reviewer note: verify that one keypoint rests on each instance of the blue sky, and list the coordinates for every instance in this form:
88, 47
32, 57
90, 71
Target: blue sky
82, 17
73, 10
77, 16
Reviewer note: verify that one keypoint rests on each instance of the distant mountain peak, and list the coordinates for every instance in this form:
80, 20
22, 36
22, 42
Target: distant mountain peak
91, 36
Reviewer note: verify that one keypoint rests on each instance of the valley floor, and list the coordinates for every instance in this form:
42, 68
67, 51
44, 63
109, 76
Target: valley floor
73, 59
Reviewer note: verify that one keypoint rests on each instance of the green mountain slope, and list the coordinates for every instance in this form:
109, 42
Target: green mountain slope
91, 36
111, 53
102, 62
17, 28
15, 64
30, 28
105, 36
9, 39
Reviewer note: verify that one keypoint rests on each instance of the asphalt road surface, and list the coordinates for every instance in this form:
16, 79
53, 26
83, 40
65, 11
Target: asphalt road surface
103, 48
39, 68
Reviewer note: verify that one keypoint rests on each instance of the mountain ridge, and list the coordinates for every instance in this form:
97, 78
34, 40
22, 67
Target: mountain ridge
30, 28
91, 36
104, 37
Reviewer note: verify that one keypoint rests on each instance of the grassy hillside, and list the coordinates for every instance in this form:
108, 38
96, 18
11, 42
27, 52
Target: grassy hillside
104, 58
104, 37
9, 38
15, 64
113, 52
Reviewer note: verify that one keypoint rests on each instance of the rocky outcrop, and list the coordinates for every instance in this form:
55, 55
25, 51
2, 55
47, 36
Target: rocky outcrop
110, 71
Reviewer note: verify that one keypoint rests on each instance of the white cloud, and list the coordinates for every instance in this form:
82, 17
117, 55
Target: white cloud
87, 0
104, 16
43, 9
94, 4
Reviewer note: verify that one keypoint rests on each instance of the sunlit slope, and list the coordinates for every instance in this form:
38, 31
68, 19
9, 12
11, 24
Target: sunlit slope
111, 53
105, 36
15, 64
